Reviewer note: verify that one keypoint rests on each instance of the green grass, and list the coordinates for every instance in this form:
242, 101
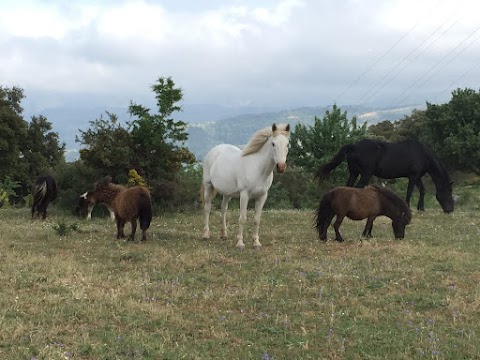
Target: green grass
81, 294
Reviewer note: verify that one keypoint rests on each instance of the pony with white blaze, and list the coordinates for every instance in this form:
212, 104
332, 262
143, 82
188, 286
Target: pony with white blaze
246, 173
86, 211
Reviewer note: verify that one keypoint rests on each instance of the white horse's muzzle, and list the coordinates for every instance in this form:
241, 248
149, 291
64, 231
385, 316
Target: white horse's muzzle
281, 167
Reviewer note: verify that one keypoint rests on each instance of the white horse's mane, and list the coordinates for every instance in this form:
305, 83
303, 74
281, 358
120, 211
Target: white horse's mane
261, 136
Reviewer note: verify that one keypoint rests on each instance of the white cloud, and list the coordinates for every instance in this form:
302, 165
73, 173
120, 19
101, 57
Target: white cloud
241, 51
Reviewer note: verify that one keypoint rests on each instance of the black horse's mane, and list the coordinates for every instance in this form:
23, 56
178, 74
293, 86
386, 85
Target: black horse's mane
439, 171
395, 199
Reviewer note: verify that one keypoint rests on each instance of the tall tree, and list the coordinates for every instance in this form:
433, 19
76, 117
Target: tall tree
12, 133
312, 146
452, 130
107, 147
158, 139
42, 149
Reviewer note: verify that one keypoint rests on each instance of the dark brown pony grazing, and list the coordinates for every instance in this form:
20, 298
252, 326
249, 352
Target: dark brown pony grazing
128, 204
44, 191
358, 204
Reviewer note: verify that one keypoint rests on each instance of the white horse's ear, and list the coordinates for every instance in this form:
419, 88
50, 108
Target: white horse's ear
274, 127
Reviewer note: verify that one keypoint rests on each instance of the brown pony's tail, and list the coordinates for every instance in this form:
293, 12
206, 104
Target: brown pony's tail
202, 194
324, 216
326, 169
145, 211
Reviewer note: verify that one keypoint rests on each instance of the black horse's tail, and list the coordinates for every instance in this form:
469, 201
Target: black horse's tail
145, 211
39, 192
326, 169
324, 216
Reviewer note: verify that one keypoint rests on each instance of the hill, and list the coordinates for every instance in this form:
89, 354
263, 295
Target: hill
209, 125
237, 130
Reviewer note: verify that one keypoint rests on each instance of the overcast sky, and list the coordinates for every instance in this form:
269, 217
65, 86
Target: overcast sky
284, 53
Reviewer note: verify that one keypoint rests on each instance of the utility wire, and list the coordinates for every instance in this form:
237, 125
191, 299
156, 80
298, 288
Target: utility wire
457, 80
364, 98
375, 63
408, 90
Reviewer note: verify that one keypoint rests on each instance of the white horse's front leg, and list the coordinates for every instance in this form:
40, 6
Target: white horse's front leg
256, 219
243, 218
207, 193
89, 212
225, 201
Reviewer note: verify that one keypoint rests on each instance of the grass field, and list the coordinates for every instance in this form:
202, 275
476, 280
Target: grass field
85, 295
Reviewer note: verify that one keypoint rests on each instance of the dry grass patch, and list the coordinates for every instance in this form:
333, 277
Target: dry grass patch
86, 295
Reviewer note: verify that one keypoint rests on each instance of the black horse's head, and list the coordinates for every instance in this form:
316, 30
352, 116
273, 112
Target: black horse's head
445, 198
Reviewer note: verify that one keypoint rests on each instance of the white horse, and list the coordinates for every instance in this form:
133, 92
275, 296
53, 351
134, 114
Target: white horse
246, 174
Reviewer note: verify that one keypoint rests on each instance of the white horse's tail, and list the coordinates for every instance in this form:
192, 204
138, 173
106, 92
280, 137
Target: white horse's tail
202, 194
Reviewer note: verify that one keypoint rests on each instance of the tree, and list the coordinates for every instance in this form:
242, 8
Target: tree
108, 147
42, 149
452, 130
158, 140
12, 133
26, 149
312, 146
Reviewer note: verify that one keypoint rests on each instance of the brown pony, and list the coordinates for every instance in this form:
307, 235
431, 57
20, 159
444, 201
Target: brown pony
128, 204
358, 204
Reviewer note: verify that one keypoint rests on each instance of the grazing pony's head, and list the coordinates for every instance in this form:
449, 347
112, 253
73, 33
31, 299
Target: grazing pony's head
104, 191
85, 204
398, 208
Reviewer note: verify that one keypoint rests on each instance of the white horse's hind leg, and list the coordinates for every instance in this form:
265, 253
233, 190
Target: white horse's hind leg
243, 218
208, 194
256, 219
225, 201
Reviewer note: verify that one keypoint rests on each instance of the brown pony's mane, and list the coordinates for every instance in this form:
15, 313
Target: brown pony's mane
261, 136
105, 191
395, 200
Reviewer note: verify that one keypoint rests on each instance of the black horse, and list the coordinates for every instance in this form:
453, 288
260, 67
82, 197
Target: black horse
408, 158
44, 191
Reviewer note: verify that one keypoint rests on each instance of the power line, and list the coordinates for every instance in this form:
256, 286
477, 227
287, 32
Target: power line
458, 79
435, 66
364, 98
375, 63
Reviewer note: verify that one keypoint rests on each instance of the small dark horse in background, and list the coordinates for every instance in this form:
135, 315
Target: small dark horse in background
128, 204
84, 208
408, 158
358, 204
44, 191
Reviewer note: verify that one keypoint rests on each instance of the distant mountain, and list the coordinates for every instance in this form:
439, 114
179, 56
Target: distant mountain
208, 125
67, 120
238, 130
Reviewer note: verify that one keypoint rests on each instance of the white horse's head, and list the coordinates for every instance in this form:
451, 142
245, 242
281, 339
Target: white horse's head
279, 145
